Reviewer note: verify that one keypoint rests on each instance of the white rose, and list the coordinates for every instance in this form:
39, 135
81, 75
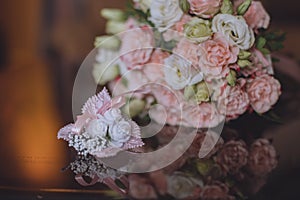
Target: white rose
120, 132
97, 127
235, 29
179, 73
112, 115
165, 14
197, 30
144, 5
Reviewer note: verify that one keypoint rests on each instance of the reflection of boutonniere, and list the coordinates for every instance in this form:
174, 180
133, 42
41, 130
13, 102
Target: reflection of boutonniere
89, 166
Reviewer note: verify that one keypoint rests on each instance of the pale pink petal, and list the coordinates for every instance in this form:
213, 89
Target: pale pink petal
134, 142
64, 132
81, 121
96, 102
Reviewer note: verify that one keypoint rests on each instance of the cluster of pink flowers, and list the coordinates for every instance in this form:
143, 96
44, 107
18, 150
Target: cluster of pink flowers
212, 59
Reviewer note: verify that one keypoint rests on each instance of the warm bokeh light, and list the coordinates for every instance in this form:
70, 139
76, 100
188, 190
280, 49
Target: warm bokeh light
34, 150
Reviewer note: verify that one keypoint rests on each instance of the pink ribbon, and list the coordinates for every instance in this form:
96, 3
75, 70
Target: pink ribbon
79, 178
107, 181
119, 101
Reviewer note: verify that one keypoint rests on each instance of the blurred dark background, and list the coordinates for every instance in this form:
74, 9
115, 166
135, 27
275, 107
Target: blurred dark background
42, 44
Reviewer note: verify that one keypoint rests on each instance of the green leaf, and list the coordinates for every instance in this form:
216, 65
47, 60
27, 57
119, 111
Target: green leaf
243, 55
275, 59
169, 46
137, 14
184, 5
261, 42
274, 40
244, 63
242, 9
272, 116
120, 184
231, 78
265, 51
161, 43
124, 81
227, 7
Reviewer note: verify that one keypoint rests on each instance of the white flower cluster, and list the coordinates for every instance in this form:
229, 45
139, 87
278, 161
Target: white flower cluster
102, 130
235, 29
86, 144
179, 73
165, 14
89, 166
111, 129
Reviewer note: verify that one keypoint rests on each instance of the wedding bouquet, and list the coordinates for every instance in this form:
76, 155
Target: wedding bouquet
177, 70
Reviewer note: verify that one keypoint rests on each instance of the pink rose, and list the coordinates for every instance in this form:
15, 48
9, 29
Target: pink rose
204, 116
263, 92
261, 64
188, 51
216, 55
166, 110
140, 188
137, 46
217, 191
153, 70
233, 156
130, 81
166, 96
176, 31
262, 158
256, 16
159, 180
204, 8
179, 26
235, 101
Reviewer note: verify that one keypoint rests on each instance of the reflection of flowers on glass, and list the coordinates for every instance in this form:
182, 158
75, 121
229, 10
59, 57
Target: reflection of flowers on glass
91, 167
182, 186
233, 156
262, 157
